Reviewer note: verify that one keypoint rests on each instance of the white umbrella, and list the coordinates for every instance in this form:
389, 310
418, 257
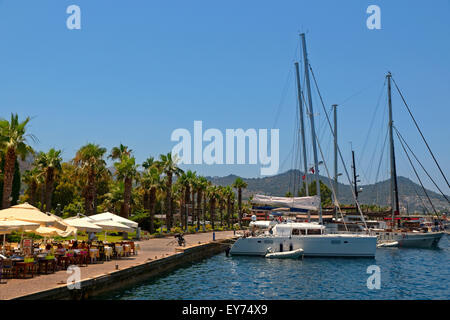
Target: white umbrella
111, 216
83, 225
52, 231
27, 212
109, 225
12, 224
9, 225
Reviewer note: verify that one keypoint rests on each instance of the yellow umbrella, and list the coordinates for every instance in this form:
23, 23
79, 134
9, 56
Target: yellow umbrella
27, 212
11, 225
8, 225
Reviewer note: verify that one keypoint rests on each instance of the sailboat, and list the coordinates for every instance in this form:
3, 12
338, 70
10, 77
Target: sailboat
311, 237
404, 238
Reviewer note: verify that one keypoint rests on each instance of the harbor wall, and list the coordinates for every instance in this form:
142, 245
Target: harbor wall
121, 278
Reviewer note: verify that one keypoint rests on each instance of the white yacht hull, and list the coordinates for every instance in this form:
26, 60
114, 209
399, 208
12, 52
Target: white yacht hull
312, 245
412, 239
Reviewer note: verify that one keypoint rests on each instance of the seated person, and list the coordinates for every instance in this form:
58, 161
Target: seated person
60, 250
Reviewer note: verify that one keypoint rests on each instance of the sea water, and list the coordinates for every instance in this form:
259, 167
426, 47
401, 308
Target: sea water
404, 274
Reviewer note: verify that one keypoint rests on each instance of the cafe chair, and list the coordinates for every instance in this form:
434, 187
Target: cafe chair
7, 268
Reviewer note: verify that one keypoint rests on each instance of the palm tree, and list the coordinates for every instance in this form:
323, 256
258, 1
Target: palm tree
229, 195
50, 164
221, 199
186, 183
169, 168
151, 182
32, 179
201, 186
240, 184
193, 184
126, 170
118, 152
213, 195
90, 163
13, 140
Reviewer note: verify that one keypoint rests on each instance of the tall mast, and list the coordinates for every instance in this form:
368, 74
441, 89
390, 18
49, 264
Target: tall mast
394, 187
335, 159
355, 177
313, 131
302, 129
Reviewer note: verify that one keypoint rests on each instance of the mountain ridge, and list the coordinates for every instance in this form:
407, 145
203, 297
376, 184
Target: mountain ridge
377, 193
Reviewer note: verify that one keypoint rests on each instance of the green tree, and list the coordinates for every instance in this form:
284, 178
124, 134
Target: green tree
169, 168
13, 140
15, 192
50, 164
91, 166
239, 184
31, 179
213, 196
126, 170
151, 182
229, 196
201, 186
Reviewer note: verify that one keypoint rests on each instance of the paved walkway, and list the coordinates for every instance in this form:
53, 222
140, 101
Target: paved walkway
150, 249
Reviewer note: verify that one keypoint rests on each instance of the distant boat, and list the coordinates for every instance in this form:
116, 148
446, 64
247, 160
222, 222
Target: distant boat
294, 254
405, 238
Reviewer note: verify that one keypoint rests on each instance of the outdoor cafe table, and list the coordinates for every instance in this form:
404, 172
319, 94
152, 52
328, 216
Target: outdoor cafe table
63, 260
108, 253
24, 269
93, 254
119, 250
126, 249
80, 256
46, 265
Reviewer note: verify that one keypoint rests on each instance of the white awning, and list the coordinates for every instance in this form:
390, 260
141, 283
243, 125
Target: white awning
27, 212
113, 226
9, 225
111, 216
83, 225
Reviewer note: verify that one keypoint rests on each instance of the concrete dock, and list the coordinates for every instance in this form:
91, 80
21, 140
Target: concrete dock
155, 257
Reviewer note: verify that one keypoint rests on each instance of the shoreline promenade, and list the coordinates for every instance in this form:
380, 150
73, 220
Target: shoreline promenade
150, 250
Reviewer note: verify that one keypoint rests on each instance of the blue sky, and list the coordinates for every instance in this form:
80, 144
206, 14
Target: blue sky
137, 70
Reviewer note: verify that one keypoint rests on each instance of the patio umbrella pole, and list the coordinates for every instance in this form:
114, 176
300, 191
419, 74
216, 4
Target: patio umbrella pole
21, 241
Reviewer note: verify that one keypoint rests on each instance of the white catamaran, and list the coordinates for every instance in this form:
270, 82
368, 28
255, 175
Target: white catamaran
312, 238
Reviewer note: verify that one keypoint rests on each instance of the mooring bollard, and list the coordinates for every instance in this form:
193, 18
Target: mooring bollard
214, 236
